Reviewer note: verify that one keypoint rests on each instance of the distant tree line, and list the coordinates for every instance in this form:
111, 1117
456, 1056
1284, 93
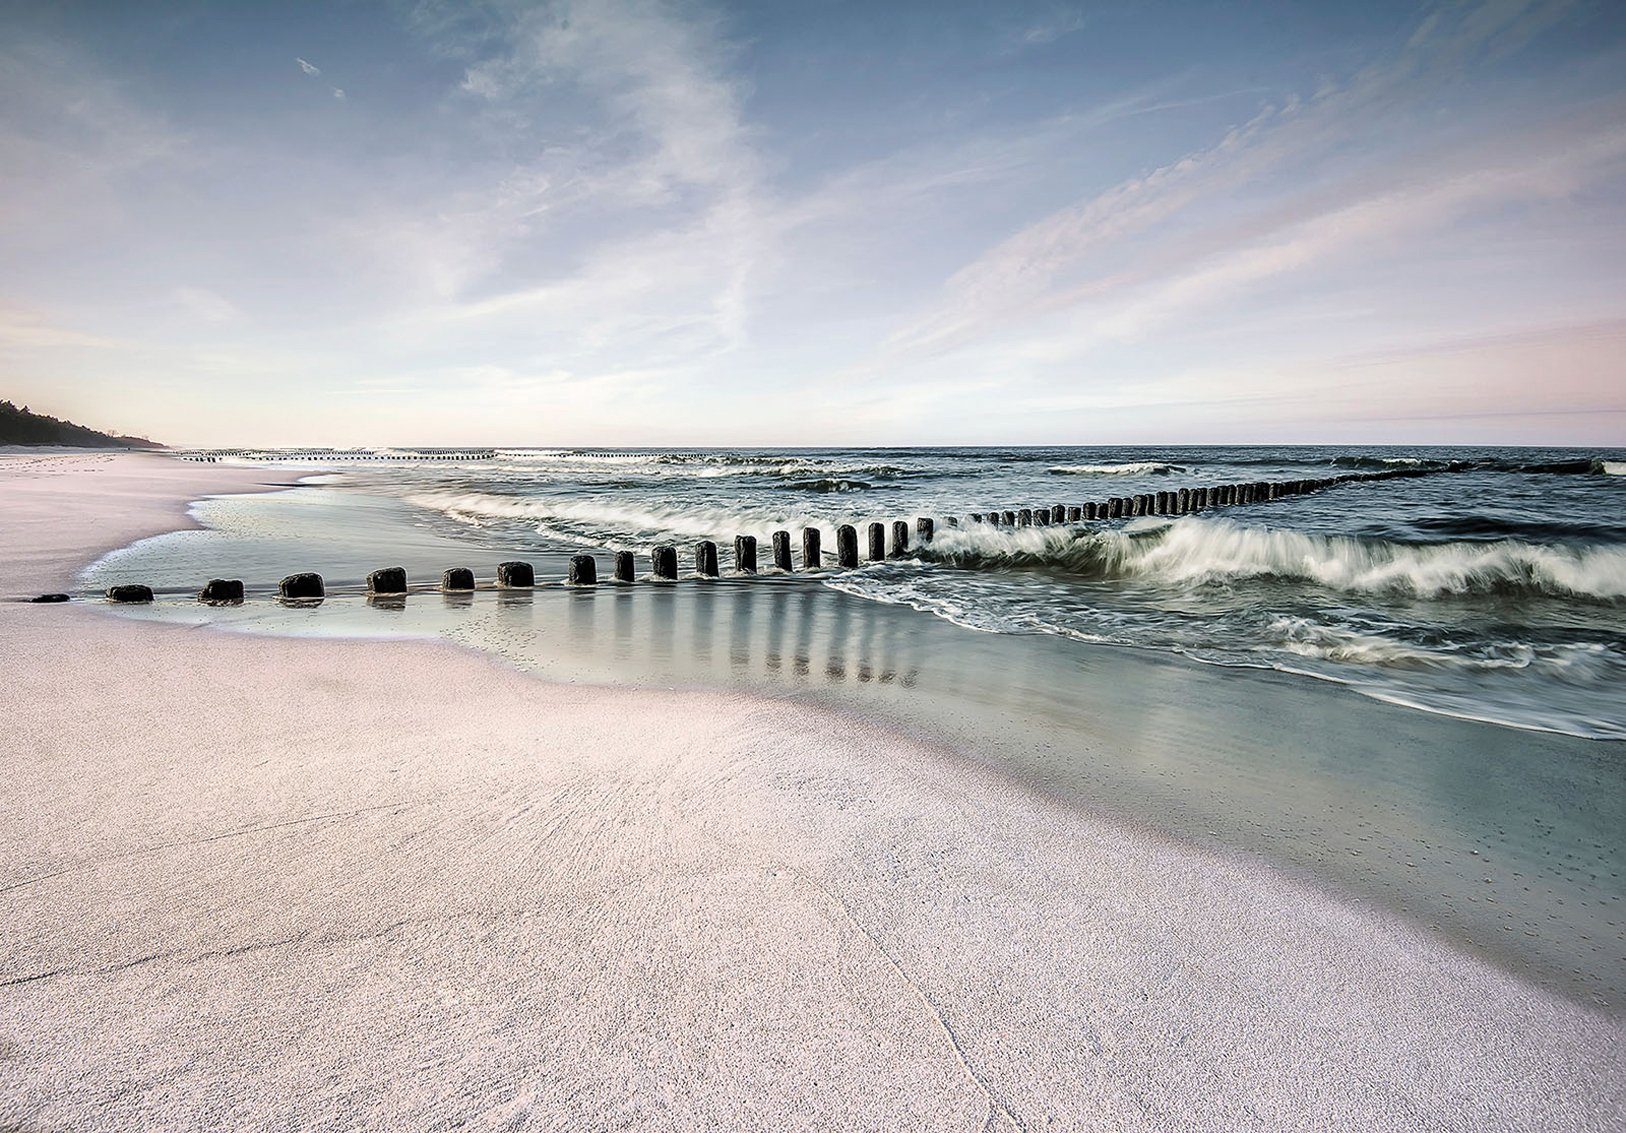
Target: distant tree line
19, 426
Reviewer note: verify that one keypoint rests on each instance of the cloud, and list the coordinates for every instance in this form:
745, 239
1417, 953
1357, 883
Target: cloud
308, 68
338, 94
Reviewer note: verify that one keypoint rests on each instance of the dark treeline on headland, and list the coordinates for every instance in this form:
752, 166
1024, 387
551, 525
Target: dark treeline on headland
19, 426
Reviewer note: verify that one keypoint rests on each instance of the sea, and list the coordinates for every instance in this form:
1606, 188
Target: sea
1412, 688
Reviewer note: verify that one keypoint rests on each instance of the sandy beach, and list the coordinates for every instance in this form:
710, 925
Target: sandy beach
272, 883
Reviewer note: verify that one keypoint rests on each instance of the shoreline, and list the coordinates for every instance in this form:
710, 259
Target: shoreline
229, 843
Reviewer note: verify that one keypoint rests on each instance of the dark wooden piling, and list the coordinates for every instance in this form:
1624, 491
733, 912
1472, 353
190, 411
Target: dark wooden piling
812, 558
781, 551
924, 528
976, 517
900, 538
1041, 517
626, 569
663, 561
583, 570
308, 585
877, 542
129, 594
745, 554
389, 580
847, 546
224, 592
705, 559
515, 575
1074, 514
1007, 518
1183, 505
1058, 513
50, 598
1024, 517
457, 580
1115, 507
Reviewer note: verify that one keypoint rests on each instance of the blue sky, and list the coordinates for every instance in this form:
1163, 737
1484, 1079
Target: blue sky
625, 222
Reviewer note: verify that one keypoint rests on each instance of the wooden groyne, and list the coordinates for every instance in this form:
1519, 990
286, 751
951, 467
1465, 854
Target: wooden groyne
882, 541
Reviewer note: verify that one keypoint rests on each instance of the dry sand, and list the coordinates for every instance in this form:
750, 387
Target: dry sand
296, 884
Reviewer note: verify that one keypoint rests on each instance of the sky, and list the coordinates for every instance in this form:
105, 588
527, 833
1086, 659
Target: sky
627, 222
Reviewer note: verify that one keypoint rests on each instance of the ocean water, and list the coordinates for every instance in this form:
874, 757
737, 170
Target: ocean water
1406, 690
1496, 593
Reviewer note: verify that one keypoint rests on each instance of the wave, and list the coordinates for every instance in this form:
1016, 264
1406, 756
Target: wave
1612, 467
1384, 462
1488, 527
1192, 552
828, 484
1133, 468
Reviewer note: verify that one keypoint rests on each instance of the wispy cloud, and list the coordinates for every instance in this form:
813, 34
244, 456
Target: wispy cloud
308, 68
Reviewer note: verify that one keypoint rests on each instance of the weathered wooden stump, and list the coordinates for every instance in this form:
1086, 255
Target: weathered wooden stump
297, 586
847, 546
877, 542
663, 562
781, 551
389, 580
583, 570
1024, 517
130, 593
900, 538
1074, 514
812, 558
50, 598
626, 569
225, 592
457, 580
745, 554
515, 576
924, 528
1007, 518
705, 559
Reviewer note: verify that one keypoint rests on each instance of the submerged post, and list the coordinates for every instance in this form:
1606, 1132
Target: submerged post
222, 592
583, 570
745, 554
781, 551
389, 580
877, 542
847, 545
625, 569
515, 576
705, 559
900, 538
812, 558
308, 585
457, 580
663, 561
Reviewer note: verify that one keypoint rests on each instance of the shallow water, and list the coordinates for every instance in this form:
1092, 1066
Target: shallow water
1495, 593
1510, 841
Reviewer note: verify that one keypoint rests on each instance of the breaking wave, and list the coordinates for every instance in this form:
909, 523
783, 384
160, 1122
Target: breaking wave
1191, 552
1132, 468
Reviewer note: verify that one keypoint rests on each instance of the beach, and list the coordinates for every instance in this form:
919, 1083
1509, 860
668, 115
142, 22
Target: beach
274, 882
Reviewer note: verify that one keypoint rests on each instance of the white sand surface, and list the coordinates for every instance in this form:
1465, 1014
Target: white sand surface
297, 884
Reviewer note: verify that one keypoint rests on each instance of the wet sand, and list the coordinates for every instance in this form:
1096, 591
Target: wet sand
267, 882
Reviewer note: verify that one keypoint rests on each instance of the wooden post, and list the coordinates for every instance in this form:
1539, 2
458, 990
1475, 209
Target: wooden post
457, 580
705, 559
811, 558
389, 580
781, 551
223, 592
877, 542
625, 569
976, 517
1007, 518
924, 527
1024, 517
583, 570
1041, 517
900, 538
1074, 514
136, 593
515, 576
745, 554
663, 561
847, 545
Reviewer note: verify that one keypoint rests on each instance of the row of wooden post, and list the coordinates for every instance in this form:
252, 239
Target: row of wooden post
882, 542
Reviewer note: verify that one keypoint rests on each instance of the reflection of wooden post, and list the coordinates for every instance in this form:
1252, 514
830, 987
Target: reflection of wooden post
781, 551
663, 560
847, 545
900, 538
811, 558
625, 570
515, 575
877, 542
705, 559
583, 570
388, 580
745, 554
